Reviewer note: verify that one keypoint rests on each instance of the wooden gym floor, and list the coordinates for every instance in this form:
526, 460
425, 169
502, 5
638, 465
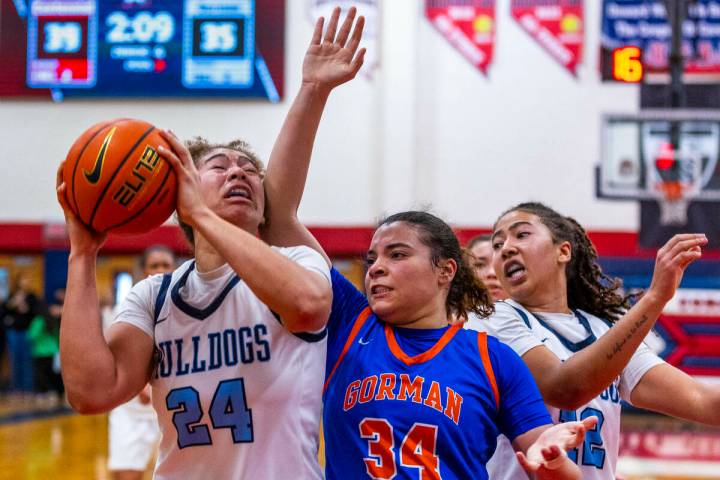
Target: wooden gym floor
53, 443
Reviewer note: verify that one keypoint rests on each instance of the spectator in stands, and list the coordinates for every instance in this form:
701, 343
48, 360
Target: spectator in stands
17, 312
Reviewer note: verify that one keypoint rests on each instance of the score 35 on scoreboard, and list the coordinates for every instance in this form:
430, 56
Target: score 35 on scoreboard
143, 48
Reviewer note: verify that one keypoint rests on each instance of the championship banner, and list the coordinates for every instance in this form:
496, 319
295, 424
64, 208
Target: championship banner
644, 24
371, 32
469, 25
557, 25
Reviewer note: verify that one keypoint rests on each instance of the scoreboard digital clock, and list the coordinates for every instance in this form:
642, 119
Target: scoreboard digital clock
137, 48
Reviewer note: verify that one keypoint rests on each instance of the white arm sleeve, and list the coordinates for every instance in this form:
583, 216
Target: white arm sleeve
137, 308
508, 326
642, 361
308, 258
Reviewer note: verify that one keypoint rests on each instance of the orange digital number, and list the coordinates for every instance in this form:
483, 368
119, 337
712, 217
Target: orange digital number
627, 64
417, 449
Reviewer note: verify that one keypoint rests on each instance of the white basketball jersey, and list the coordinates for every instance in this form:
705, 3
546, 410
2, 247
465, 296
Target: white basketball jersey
564, 335
237, 395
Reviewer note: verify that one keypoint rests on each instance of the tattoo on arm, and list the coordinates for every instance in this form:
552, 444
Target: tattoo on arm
621, 343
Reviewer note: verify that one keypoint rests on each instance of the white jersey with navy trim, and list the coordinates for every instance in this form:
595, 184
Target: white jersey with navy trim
564, 335
237, 395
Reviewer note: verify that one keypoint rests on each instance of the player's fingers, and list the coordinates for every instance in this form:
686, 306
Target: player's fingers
357, 62
551, 453
687, 245
354, 42
675, 239
63, 201
171, 158
686, 258
59, 174
527, 465
589, 423
178, 149
344, 32
317, 33
332, 26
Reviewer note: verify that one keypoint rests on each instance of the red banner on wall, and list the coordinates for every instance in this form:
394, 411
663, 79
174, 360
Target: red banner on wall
469, 25
557, 25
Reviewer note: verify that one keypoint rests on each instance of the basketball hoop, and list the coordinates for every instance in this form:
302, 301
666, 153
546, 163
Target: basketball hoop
674, 198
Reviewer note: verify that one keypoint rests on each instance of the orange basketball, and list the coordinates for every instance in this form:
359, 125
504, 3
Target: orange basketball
117, 181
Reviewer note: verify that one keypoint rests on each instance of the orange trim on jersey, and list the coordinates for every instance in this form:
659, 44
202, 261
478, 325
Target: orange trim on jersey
485, 356
422, 357
359, 322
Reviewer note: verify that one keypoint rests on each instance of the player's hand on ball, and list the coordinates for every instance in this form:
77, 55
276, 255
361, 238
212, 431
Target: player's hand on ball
672, 260
189, 199
82, 239
549, 450
334, 59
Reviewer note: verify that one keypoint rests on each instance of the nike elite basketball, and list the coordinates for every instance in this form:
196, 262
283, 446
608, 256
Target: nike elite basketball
117, 181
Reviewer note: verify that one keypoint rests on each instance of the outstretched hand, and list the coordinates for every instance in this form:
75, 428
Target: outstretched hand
549, 450
82, 238
672, 260
334, 59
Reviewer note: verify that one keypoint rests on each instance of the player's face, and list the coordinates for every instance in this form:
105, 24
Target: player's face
529, 265
482, 264
402, 285
158, 262
232, 187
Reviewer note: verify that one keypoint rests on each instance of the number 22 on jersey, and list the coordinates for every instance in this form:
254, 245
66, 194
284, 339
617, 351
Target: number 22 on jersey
417, 449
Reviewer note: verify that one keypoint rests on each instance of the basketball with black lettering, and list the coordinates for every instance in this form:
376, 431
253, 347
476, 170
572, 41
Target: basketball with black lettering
117, 181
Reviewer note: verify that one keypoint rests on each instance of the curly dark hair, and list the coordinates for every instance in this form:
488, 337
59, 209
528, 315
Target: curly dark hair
199, 147
588, 288
467, 292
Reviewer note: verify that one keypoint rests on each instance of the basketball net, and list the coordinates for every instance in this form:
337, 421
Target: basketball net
674, 200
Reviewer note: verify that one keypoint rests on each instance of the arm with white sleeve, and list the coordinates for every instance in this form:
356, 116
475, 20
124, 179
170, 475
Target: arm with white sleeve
98, 374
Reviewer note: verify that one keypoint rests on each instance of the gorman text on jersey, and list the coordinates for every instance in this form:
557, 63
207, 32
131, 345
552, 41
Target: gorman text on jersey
390, 386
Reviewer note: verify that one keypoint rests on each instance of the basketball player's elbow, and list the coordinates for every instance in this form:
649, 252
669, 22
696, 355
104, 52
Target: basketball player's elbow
86, 402
310, 312
565, 395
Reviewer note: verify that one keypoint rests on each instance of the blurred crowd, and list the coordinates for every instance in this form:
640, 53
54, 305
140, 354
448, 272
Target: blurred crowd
29, 344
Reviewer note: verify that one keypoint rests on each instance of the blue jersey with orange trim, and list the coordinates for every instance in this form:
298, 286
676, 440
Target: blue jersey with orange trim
406, 403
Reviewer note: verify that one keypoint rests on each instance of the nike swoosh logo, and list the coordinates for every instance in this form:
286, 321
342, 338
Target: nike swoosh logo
363, 342
545, 339
94, 175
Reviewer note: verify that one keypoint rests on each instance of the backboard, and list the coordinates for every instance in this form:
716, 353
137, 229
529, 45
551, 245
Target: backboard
667, 155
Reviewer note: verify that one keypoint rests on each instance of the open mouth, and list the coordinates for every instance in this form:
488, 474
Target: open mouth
379, 290
514, 270
239, 192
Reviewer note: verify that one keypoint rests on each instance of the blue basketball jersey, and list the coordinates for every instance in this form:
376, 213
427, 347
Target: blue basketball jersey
408, 403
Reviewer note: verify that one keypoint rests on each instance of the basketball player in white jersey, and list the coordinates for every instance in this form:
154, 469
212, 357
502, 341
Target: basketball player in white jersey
133, 432
579, 336
233, 342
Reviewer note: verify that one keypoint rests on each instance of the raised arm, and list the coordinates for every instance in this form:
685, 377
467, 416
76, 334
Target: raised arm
301, 297
586, 374
331, 60
98, 375
665, 389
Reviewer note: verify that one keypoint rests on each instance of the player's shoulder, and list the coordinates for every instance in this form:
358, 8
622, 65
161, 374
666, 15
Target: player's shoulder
597, 323
152, 284
296, 251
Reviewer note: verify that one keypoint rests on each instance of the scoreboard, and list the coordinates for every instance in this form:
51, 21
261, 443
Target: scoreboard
636, 36
138, 48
